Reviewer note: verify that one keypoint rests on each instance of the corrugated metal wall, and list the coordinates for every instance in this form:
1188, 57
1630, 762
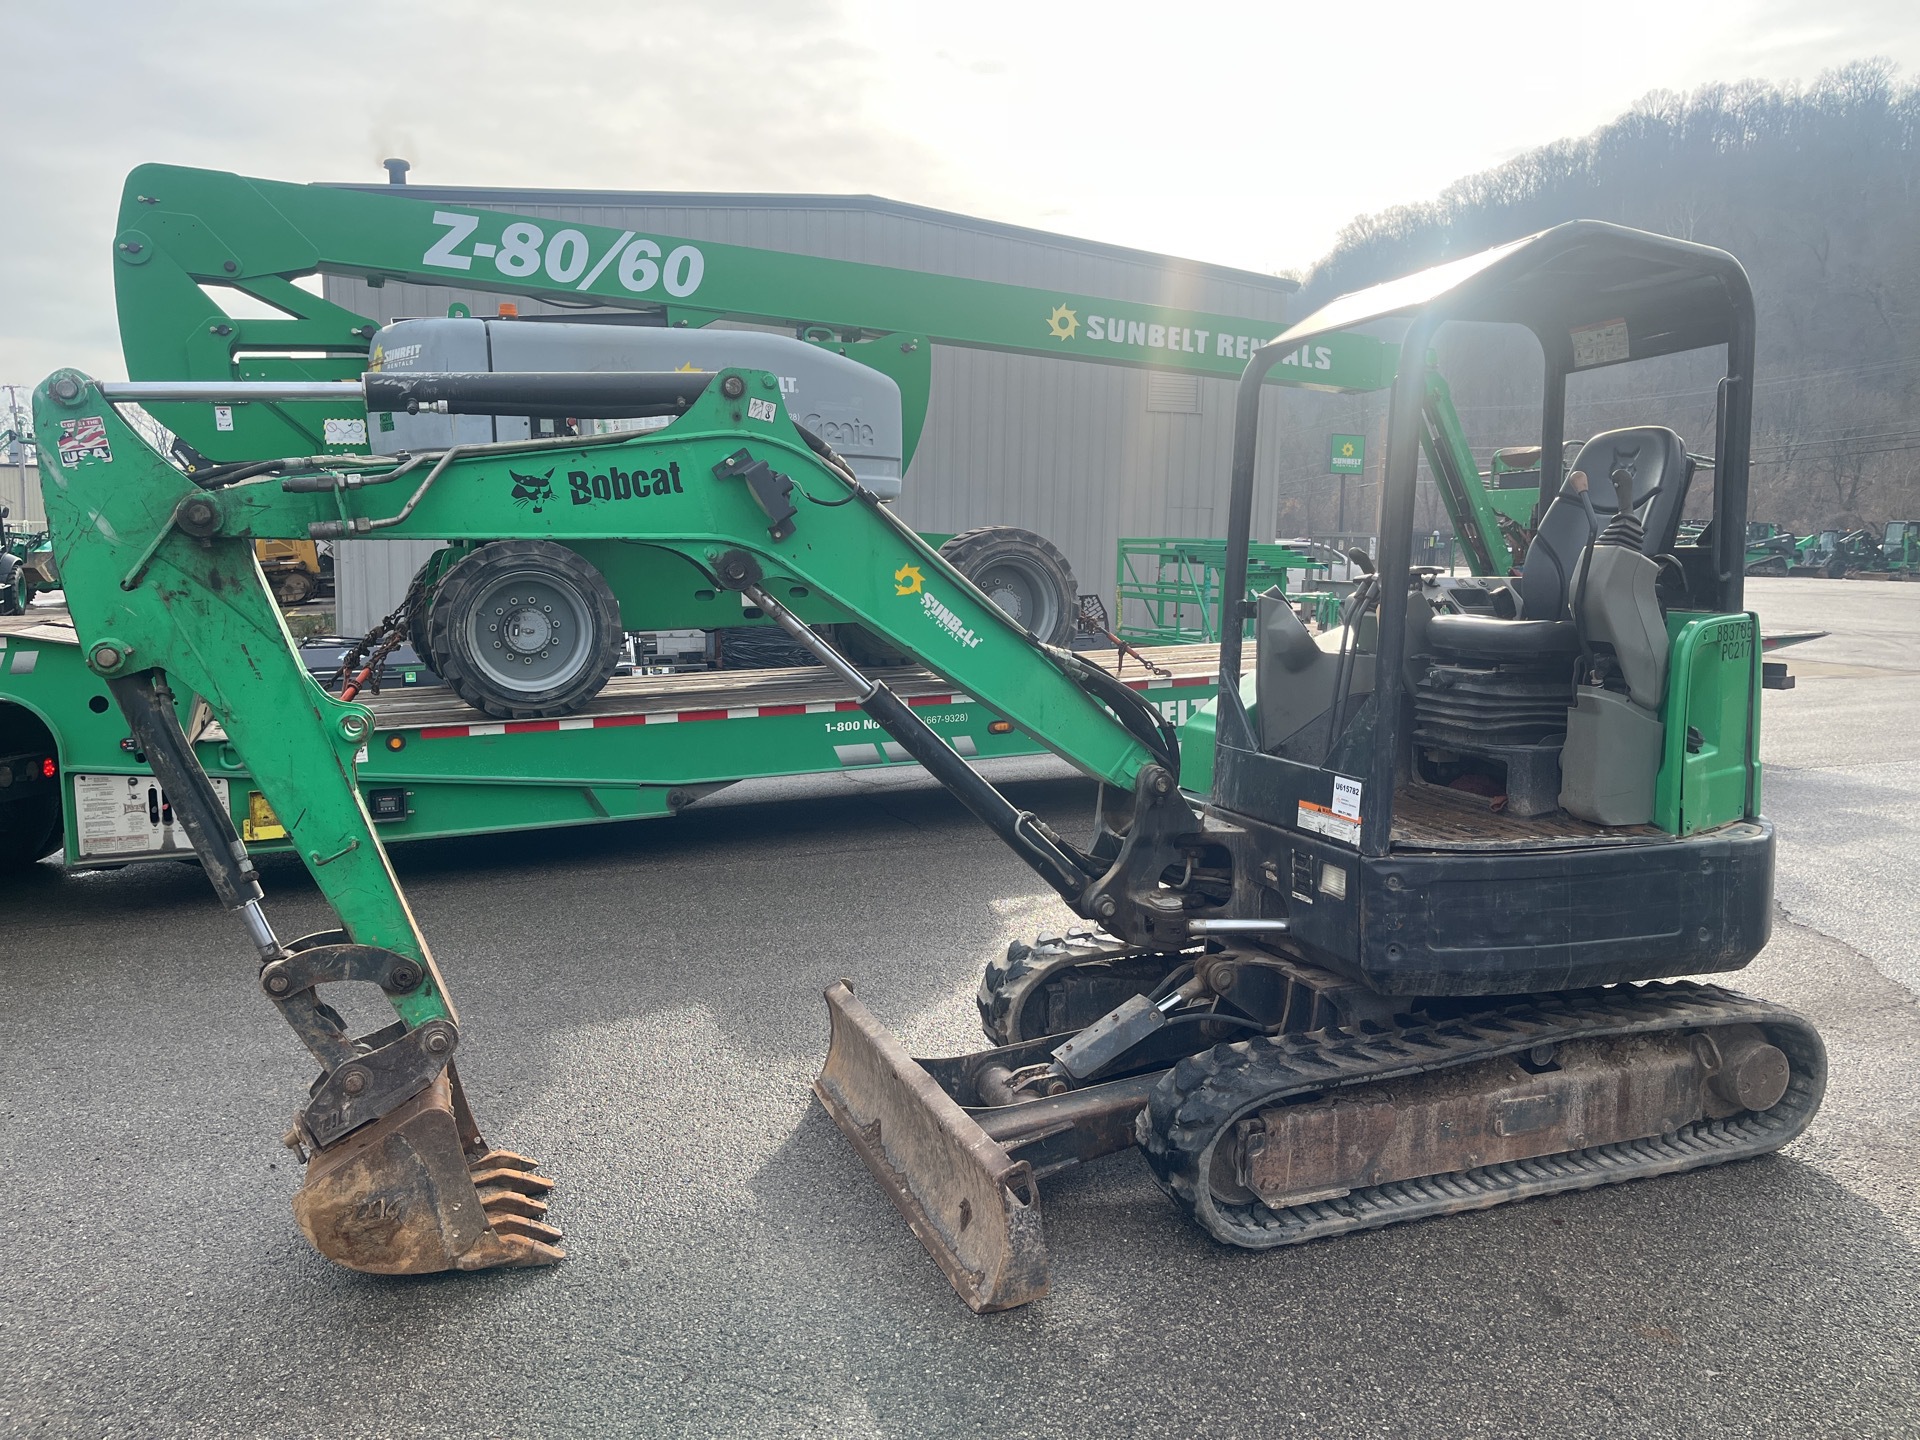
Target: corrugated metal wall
1076, 450
20, 491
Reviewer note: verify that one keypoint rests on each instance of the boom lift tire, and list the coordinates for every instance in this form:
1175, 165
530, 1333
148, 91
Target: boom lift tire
417, 617
29, 832
524, 629
31, 825
294, 587
1023, 573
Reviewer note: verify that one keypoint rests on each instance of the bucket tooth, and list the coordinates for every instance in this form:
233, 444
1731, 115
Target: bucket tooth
973, 1206
513, 1227
401, 1197
524, 1181
510, 1202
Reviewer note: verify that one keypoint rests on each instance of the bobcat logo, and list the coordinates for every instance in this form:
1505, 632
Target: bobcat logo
534, 490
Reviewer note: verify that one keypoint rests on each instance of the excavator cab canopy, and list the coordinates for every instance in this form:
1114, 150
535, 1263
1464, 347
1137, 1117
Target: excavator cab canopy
1593, 295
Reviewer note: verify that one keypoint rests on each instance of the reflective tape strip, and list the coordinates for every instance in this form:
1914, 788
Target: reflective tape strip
744, 712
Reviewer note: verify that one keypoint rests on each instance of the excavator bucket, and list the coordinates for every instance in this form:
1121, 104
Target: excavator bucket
418, 1191
973, 1206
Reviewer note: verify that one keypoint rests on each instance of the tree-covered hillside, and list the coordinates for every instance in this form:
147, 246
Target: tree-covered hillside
1815, 189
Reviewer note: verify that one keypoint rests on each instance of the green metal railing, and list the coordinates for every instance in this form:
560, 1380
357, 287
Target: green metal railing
1176, 585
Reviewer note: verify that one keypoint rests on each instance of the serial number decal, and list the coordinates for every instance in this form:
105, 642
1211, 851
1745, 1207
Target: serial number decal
565, 257
1736, 643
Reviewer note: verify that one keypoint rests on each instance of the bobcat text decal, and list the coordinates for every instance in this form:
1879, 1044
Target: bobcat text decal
617, 484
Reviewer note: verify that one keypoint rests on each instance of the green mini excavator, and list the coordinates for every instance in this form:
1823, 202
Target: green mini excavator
1416, 953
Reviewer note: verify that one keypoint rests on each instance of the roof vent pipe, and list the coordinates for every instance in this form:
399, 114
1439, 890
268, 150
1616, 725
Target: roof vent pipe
396, 171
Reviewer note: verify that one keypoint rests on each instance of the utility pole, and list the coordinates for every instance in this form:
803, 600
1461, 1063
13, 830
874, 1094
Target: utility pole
18, 440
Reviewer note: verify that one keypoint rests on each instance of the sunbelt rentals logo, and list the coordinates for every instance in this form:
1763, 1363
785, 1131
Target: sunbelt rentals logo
911, 580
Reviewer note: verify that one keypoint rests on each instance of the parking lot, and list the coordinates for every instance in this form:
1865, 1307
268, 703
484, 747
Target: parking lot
642, 1012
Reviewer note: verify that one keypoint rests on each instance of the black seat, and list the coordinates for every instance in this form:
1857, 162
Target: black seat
1657, 460
1487, 637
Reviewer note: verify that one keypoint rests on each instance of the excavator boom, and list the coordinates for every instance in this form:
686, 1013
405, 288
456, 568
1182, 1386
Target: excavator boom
729, 506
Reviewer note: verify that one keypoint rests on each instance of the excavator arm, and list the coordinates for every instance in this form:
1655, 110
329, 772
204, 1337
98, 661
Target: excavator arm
729, 499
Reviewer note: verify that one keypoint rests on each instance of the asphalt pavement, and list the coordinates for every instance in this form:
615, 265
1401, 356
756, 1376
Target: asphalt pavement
641, 1010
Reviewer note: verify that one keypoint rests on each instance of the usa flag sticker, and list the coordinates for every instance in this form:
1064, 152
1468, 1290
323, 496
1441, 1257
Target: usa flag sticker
84, 439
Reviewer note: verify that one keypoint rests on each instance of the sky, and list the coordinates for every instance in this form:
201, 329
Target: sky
1245, 134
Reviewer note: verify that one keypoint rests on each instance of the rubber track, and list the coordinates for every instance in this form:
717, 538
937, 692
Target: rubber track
1010, 980
1198, 1101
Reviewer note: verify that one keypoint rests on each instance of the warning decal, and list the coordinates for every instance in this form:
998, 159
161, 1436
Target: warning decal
1321, 821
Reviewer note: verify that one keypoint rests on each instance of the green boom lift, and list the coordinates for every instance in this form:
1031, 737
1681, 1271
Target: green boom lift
187, 241
182, 229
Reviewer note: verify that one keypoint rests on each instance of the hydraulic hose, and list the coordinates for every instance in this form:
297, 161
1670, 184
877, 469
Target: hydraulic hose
1141, 718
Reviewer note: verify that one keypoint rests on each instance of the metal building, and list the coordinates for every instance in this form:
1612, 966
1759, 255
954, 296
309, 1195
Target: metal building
1079, 451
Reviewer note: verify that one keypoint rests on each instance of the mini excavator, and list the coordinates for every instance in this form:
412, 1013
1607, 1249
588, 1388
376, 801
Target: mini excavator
1414, 952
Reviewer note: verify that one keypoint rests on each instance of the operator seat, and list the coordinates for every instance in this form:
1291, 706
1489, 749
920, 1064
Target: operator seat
1657, 459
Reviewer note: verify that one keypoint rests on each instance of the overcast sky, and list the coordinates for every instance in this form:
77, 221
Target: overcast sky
1242, 133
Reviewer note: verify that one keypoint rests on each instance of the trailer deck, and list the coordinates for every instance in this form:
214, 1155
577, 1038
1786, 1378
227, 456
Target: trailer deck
647, 745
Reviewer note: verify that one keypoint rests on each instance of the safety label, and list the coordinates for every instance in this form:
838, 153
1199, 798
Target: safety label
129, 817
1602, 344
1321, 821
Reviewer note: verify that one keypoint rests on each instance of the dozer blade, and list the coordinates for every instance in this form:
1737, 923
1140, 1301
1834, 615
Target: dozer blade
973, 1206
418, 1191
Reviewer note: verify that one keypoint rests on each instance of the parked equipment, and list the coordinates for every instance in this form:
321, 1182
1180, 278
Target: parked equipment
855, 367
297, 570
1770, 550
1346, 938
27, 566
1394, 967
1898, 555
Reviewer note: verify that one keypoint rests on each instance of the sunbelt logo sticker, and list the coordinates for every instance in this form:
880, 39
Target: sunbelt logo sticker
947, 620
909, 580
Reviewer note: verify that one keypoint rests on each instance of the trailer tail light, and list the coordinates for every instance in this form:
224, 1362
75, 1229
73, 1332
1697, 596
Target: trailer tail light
48, 769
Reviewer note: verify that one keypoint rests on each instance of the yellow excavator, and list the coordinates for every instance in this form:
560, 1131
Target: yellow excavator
1398, 935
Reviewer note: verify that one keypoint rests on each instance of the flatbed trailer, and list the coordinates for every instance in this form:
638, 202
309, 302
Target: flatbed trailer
647, 746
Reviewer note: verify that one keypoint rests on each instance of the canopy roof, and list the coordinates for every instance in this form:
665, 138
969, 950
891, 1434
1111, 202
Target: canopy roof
1595, 294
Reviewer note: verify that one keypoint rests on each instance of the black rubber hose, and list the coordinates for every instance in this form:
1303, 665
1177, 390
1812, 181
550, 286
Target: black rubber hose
1141, 718
827, 453
1363, 597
